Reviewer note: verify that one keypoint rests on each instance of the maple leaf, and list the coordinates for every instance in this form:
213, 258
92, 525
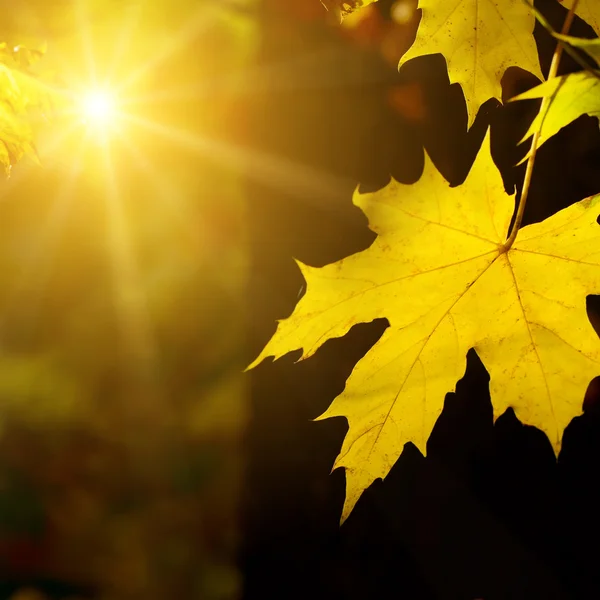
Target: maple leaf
588, 10
479, 39
438, 271
571, 96
345, 7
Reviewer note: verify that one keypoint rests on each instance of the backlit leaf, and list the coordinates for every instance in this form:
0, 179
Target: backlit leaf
588, 10
591, 46
479, 39
439, 273
572, 96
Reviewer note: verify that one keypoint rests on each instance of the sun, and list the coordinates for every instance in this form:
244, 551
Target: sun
98, 107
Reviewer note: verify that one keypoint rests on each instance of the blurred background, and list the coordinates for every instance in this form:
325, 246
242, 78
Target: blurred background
122, 308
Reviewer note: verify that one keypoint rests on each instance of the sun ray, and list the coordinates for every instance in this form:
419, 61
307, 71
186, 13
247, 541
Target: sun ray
37, 265
130, 20
286, 175
131, 302
286, 75
198, 24
162, 186
188, 231
86, 39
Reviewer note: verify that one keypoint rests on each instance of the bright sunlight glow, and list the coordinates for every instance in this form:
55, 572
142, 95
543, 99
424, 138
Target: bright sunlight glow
98, 107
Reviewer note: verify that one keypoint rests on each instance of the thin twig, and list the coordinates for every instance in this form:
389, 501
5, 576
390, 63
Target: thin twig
536, 136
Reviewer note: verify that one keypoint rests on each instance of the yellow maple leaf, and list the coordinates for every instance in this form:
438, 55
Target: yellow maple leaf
438, 271
479, 39
588, 10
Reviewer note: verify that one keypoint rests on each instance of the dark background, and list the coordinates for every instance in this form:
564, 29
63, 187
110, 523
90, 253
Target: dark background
489, 513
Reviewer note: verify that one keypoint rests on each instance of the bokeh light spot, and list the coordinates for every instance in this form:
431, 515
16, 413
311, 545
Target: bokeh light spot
402, 12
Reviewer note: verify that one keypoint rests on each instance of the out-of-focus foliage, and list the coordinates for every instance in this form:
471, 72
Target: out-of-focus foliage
25, 101
346, 7
122, 402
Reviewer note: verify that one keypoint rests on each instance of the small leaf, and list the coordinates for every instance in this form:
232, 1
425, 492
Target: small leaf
591, 46
572, 96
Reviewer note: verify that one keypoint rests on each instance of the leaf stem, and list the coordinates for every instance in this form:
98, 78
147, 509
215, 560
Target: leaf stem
536, 136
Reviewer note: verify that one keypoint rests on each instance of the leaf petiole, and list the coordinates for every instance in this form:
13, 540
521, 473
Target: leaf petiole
546, 101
